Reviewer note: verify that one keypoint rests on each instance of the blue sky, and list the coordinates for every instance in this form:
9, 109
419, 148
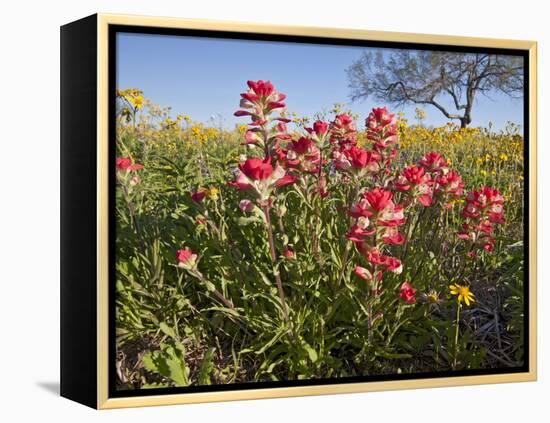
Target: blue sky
202, 77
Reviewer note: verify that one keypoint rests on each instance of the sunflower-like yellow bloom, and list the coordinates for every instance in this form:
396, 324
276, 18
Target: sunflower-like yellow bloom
463, 292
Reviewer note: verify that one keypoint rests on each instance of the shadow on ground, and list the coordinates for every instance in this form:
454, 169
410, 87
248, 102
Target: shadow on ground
51, 387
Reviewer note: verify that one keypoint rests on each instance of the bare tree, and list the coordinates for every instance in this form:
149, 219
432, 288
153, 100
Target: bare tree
427, 77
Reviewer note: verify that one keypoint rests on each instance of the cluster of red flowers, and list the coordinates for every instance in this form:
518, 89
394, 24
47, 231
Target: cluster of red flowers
419, 184
356, 160
376, 213
430, 178
260, 177
348, 157
124, 171
483, 209
449, 184
302, 155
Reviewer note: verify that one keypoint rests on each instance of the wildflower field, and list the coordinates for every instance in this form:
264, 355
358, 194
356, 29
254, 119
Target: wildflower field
292, 248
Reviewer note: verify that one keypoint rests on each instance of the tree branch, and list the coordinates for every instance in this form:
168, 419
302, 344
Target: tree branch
443, 110
455, 99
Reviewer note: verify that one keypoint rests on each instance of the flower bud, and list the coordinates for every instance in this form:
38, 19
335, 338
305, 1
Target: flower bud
186, 259
288, 253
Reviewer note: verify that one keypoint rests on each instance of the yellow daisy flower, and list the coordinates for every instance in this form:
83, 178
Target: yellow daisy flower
463, 292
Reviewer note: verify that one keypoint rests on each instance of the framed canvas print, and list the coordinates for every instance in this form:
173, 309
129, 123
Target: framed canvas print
254, 211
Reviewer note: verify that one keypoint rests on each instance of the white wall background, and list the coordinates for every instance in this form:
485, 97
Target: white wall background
29, 209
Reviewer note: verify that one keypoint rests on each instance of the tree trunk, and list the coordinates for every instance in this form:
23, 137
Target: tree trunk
466, 119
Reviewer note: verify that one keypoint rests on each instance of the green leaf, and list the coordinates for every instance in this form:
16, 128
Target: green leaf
167, 330
206, 368
209, 286
169, 362
311, 352
272, 341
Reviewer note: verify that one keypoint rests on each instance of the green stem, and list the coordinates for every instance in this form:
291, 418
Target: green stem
369, 321
130, 204
273, 254
465, 258
351, 198
410, 231
373, 294
344, 261
425, 254
458, 307
217, 294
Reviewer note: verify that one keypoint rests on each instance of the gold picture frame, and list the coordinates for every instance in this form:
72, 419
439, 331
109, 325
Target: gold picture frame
98, 28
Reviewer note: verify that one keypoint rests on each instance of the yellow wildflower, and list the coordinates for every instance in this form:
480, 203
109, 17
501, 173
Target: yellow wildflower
463, 293
212, 193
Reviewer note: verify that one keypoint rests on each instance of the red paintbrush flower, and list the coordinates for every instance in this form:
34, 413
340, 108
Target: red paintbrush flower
433, 162
407, 293
257, 169
125, 164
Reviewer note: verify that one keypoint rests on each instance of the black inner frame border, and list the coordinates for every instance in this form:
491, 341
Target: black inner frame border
113, 30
